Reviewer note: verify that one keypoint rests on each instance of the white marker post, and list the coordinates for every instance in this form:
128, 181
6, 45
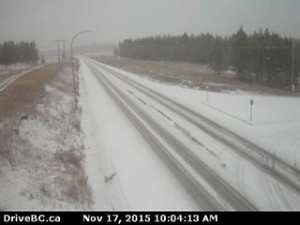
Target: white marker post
251, 108
207, 90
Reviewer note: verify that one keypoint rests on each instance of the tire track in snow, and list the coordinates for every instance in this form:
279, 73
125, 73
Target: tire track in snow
177, 126
274, 188
201, 196
264, 160
228, 195
241, 176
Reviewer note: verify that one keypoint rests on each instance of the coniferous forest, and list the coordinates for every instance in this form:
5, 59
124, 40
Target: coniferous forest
23, 52
262, 57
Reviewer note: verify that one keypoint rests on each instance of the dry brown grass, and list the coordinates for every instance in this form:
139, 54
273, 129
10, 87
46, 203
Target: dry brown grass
76, 188
189, 74
23, 93
69, 158
6, 132
53, 164
16, 102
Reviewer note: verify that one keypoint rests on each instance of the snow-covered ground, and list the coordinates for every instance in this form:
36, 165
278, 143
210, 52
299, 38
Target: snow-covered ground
144, 181
275, 121
16, 66
42, 153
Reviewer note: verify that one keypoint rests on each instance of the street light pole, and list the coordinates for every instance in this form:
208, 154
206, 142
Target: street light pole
73, 39
72, 62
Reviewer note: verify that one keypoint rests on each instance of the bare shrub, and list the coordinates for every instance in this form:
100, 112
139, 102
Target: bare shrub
69, 158
6, 134
78, 189
45, 190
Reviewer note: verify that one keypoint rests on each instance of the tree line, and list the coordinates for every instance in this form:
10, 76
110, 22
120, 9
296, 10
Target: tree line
262, 57
22, 52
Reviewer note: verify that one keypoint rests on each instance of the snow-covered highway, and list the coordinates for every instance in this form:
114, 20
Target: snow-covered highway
269, 163
215, 167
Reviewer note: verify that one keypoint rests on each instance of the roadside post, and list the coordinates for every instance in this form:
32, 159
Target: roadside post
207, 97
251, 108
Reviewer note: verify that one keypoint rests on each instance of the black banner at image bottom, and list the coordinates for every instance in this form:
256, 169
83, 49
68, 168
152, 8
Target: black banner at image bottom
154, 217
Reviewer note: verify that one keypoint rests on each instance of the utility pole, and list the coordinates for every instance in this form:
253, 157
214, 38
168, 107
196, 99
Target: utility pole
58, 50
61, 57
64, 47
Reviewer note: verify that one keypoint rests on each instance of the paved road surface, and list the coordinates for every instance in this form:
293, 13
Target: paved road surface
210, 190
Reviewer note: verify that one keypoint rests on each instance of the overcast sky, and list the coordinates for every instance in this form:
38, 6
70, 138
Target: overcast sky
114, 20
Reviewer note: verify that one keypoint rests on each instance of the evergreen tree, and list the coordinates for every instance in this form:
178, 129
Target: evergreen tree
261, 57
218, 54
33, 52
43, 60
23, 52
8, 50
239, 41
